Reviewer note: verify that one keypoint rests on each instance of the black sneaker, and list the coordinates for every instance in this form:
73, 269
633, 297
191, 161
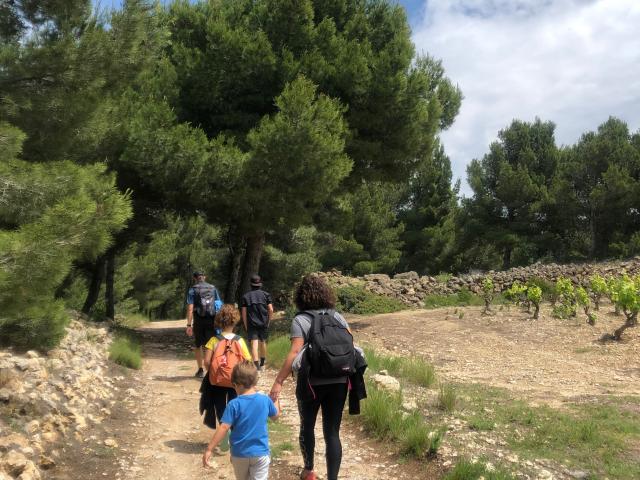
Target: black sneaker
199, 373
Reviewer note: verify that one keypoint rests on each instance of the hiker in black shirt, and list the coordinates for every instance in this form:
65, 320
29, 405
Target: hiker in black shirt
257, 310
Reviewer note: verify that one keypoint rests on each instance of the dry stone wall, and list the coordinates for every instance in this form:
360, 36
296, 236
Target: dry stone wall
411, 288
45, 400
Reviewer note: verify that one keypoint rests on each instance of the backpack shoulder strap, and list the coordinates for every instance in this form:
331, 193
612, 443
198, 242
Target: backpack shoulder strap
221, 341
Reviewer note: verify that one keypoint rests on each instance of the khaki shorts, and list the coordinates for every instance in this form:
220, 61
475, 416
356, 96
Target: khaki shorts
251, 468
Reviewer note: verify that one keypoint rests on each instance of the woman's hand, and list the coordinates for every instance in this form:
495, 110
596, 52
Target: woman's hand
275, 391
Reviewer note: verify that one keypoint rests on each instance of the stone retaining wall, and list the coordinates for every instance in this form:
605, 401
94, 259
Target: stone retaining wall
48, 399
411, 288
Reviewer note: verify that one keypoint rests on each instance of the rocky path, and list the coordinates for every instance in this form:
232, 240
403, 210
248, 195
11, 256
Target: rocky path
165, 438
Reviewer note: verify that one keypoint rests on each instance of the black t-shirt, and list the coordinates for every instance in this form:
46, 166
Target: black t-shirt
256, 302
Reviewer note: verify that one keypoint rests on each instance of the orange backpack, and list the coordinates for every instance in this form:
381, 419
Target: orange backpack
226, 355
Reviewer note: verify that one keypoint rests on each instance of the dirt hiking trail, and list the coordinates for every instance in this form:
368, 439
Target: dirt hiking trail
167, 438
159, 435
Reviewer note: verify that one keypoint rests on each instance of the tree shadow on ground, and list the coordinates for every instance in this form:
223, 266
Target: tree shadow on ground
175, 378
186, 446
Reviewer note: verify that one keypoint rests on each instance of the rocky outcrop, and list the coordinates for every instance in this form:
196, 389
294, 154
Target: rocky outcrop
46, 400
411, 288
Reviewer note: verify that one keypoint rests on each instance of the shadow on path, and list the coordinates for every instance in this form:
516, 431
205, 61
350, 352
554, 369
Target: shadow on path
186, 446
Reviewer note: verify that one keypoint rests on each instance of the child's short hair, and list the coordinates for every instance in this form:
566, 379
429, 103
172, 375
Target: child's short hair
245, 375
227, 316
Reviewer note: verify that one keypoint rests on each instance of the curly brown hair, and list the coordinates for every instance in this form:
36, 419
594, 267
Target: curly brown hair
227, 316
314, 293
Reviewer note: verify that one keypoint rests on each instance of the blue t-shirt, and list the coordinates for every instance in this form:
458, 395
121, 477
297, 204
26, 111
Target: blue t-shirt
247, 415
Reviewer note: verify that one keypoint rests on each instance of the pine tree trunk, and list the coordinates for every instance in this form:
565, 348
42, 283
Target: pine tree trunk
237, 248
252, 257
97, 275
506, 258
109, 298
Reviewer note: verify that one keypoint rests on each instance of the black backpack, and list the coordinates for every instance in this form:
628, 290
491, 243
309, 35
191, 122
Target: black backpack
204, 300
330, 351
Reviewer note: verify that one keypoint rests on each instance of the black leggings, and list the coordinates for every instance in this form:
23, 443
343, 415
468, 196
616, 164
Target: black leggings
222, 396
330, 398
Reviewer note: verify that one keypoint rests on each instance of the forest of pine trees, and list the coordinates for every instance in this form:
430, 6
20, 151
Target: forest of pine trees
237, 136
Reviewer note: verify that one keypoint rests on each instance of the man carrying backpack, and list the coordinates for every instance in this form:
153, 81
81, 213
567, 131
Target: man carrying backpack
257, 310
203, 301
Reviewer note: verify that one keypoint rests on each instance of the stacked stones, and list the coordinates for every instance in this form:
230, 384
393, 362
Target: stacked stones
46, 400
411, 289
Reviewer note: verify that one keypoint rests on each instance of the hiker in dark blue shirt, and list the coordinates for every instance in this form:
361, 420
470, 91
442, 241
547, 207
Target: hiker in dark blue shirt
257, 310
203, 301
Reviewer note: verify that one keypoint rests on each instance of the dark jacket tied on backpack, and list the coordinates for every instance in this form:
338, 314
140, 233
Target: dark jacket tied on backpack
357, 387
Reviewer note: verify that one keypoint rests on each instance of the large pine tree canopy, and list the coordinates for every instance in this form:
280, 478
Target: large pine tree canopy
271, 136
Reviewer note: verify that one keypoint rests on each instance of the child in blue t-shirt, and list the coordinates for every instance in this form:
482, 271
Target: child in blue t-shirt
247, 416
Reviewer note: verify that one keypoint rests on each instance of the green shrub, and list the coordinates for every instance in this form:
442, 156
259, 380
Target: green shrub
549, 291
444, 277
534, 296
126, 351
355, 299
488, 293
463, 298
566, 306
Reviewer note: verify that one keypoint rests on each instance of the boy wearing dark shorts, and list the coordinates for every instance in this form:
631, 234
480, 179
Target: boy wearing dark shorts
257, 310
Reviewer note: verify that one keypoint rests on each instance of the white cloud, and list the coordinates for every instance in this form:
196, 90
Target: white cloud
574, 62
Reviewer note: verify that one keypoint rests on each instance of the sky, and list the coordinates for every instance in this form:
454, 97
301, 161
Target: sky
573, 62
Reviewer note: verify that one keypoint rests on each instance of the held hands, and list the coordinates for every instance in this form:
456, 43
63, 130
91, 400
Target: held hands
190, 331
275, 391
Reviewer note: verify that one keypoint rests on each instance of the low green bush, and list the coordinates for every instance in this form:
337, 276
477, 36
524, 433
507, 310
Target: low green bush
549, 290
464, 298
355, 299
126, 351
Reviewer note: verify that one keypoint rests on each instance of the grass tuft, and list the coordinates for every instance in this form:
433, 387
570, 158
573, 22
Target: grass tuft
382, 416
126, 351
466, 470
277, 350
447, 398
414, 370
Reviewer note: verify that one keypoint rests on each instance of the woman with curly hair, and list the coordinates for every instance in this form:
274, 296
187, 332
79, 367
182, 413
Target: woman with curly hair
314, 296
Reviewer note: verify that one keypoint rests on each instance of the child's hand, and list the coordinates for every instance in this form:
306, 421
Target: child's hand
206, 457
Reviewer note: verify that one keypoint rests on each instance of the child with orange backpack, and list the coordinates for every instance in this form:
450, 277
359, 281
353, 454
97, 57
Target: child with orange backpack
222, 353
